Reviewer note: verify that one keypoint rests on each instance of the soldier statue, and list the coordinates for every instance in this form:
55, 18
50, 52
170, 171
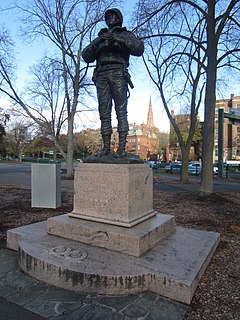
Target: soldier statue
111, 50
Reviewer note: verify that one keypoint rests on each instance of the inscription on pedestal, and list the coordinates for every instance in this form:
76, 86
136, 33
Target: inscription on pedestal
68, 253
118, 194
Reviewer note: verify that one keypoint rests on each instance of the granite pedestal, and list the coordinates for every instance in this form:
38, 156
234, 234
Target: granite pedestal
113, 242
113, 205
113, 194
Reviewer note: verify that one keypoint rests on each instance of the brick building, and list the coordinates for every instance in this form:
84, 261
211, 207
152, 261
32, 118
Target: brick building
231, 132
183, 122
143, 139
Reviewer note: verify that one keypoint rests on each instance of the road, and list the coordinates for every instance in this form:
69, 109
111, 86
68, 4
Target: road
171, 183
17, 173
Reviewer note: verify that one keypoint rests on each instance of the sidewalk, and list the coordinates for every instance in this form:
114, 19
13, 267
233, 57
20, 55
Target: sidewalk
25, 298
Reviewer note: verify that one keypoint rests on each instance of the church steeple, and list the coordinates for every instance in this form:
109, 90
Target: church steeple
150, 123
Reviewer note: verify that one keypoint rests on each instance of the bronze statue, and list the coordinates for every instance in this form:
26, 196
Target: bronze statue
111, 50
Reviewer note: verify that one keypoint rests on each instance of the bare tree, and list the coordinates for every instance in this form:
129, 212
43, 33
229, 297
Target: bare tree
4, 117
178, 75
18, 135
46, 92
205, 32
64, 24
5, 45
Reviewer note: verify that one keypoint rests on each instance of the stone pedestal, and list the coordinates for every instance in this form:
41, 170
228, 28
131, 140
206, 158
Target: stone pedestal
114, 207
114, 194
114, 242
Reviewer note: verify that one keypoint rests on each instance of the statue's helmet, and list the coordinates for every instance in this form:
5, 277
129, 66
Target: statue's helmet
118, 14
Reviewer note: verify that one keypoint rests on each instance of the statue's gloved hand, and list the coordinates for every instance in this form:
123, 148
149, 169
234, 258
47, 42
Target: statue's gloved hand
99, 40
113, 37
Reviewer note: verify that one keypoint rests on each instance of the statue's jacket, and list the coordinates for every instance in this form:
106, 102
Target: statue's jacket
108, 52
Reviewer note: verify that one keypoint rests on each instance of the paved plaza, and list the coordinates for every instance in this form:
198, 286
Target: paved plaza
25, 298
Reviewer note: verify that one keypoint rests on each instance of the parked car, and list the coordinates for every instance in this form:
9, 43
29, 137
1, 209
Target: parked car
176, 167
173, 167
152, 164
215, 170
195, 168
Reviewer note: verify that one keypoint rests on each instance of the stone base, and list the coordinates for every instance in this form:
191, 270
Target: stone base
133, 223
173, 268
117, 194
113, 158
133, 241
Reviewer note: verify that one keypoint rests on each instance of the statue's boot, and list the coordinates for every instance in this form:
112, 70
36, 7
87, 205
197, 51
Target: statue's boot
106, 145
121, 151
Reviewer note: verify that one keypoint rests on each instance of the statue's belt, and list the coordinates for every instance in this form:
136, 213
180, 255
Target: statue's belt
105, 66
111, 66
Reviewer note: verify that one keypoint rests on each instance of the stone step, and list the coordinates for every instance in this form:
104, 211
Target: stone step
133, 241
173, 268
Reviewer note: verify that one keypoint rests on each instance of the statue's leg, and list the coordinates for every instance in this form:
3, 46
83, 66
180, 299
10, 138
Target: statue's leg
119, 90
105, 109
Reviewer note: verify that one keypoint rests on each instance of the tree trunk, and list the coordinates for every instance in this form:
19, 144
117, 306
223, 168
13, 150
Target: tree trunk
70, 148
210, 101
184, 172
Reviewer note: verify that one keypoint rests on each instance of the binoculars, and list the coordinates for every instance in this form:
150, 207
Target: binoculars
111, 44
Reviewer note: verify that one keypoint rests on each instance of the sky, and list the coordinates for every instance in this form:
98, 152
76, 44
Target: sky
138, 102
